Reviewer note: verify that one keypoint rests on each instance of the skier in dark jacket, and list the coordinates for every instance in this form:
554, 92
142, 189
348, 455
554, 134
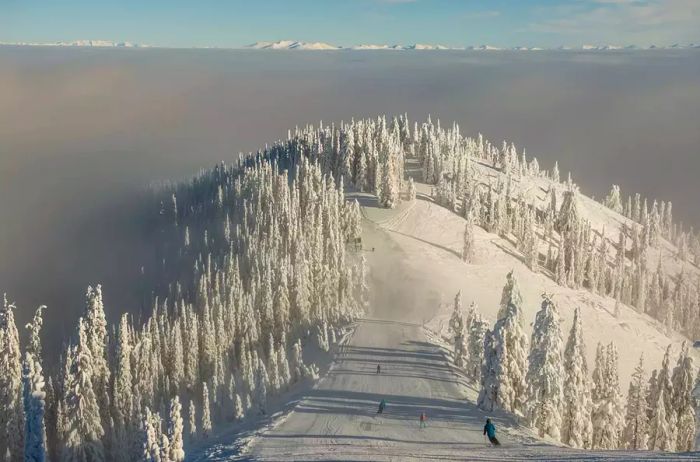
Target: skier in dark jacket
490, 431
382, 405
379, 369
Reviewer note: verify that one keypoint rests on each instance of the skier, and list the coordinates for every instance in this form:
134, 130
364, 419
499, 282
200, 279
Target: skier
490, 431
382, 405
423, 418
379, 369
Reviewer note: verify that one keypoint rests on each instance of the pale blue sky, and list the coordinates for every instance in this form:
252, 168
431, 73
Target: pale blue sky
234, 23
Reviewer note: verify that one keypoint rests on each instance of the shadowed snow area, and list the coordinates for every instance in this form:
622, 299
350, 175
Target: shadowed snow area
338, 419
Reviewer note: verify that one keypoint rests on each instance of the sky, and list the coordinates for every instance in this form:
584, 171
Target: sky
236, 23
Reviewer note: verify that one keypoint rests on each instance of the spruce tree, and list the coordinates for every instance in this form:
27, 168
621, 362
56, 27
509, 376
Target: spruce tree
545, 374
11, 409
635, 432
84, 431
576, 424
205, 424
34, 410
175, 431
468, 241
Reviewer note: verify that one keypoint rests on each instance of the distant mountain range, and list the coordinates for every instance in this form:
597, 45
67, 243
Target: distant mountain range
323, 46
81, 43
297, 45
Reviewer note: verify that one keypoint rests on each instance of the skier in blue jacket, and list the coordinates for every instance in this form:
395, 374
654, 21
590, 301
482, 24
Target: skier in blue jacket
490, 431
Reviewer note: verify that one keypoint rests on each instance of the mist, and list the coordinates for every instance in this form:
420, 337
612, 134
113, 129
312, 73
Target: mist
84, 131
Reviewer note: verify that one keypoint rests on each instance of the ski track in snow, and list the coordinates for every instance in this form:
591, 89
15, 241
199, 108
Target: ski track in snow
338, 420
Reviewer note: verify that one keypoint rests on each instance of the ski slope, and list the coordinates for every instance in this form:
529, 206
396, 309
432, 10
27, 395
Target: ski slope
413, 252
338, 419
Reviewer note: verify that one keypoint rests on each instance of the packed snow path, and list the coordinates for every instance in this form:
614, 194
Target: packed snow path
338, 419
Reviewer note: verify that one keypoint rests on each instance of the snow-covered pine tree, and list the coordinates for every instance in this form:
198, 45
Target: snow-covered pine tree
122, 399
192, 421
613, 201
411, 189
662, 387
660, 431
84, 431
683, 381
150, 441
205, 423
545, 375
576, 424
635, 433
389, 192
478, 327
511, 296
261, 382
505, 363
175, 431
34, 410
568, 217
457, 330
468, 241
607, 415
11, 409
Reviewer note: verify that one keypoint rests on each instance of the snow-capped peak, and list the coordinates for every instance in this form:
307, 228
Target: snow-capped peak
292, 45
424, 46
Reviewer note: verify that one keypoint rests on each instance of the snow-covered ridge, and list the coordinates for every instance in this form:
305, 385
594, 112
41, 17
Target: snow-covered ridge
292, 45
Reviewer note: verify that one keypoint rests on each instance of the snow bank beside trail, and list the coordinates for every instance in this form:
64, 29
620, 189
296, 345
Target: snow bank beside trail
426, 239
230, 442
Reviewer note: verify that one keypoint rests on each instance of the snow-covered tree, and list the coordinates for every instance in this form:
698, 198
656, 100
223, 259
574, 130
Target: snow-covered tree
261, 383
389, 196
150, 439
662, 421
34, 410
205, 423
683, 381
192, 420
576, 424
457, 327
635, 433
478, 327
613, 201
11, 409
511, 296
545, 374
660, 430
468, 240
84, 431
175, 431
607, 414
505, 363
411, 189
